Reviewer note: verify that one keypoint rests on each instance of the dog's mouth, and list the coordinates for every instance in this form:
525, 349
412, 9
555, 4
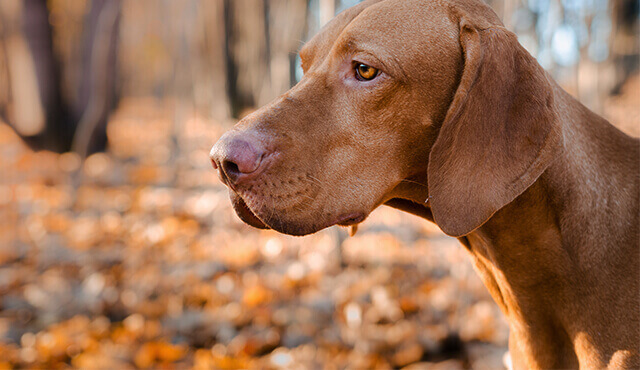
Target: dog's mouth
250, 217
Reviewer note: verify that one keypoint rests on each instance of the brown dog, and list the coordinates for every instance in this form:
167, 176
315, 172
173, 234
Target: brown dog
432, 107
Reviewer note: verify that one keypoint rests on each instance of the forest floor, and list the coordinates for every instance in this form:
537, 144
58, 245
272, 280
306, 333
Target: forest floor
135, 258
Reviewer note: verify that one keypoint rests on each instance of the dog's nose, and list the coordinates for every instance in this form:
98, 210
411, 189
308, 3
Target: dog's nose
235, 158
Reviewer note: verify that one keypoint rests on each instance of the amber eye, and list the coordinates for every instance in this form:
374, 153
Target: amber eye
365, 72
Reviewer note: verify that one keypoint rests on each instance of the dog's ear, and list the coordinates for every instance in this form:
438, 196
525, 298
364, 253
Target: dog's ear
498, 136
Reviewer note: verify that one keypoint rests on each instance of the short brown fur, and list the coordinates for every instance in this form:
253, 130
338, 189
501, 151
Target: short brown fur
541, 191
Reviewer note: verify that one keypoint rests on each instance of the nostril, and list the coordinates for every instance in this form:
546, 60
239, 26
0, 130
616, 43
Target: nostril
231, 169
236, 159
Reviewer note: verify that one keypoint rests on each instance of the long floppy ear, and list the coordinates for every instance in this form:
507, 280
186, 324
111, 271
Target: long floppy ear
499, 134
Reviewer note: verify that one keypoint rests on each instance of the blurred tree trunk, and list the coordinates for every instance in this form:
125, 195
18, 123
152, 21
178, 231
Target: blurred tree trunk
36, 110
286, 33
261, 36
36, 107
97, 91
625, 45
247, 52
327, 11
214, 89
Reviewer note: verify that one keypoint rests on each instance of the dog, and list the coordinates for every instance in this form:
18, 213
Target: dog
434, 108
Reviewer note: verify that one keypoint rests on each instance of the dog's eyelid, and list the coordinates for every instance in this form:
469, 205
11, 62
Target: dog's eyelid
357, 61
368, 59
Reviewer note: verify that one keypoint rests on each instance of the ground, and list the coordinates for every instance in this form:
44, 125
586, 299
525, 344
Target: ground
135, 258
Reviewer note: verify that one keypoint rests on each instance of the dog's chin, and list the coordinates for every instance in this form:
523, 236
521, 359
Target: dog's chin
288, 227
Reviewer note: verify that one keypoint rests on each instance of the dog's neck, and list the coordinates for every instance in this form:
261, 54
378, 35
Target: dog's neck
555, 289
518, 254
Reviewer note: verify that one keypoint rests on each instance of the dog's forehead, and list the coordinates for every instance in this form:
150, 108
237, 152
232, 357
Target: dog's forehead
402, 23
378, 26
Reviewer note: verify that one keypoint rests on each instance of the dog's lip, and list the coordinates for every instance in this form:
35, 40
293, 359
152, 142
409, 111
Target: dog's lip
245, 213
349, 219
249, 217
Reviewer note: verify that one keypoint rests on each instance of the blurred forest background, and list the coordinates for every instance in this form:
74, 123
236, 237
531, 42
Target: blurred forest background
119, 247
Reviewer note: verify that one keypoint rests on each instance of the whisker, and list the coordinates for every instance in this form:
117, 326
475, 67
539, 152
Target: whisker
271, 214
315, 179
298, 207
307, 196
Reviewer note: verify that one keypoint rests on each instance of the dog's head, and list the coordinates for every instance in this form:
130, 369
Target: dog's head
399, 99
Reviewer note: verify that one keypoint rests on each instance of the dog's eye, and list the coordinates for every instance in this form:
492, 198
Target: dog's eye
365, 72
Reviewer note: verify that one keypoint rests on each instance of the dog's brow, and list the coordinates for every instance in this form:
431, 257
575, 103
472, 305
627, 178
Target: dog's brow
353, 47
348, 45
305, 56
304, 52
